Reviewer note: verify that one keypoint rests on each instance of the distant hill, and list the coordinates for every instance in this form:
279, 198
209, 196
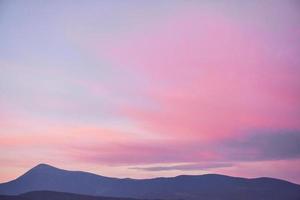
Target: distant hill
207, 187
50, 195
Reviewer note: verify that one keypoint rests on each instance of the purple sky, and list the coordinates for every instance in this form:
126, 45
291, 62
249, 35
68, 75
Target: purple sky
151, 88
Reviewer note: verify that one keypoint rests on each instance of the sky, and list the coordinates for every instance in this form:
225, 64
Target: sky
146, 89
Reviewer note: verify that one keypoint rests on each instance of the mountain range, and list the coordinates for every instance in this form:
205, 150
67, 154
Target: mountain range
188, 187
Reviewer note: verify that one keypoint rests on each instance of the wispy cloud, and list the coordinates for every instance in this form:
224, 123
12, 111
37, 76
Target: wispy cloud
264, 145
186, 167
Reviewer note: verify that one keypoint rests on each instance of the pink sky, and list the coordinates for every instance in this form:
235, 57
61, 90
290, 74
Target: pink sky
133, 89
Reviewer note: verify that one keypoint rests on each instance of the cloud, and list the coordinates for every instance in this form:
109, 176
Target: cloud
144, 151
248, 147
262, 145
210, 75
186, 167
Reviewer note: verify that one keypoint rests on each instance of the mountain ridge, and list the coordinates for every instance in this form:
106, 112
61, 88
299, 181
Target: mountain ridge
190, 187
44, 165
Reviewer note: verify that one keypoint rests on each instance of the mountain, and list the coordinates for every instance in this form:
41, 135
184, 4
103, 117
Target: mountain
209, 187
49, 195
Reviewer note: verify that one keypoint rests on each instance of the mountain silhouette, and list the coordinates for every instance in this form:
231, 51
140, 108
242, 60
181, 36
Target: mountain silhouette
209, 187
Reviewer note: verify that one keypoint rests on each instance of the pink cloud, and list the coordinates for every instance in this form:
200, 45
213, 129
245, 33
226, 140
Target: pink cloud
141, 152
210, 76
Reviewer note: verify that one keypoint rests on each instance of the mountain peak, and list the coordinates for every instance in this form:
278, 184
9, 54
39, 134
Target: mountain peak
42, 165
42, 168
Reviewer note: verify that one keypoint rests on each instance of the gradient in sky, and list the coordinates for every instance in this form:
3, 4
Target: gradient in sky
151, 88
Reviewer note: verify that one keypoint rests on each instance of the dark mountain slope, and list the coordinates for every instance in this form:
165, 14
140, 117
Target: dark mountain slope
49, 195
208, 187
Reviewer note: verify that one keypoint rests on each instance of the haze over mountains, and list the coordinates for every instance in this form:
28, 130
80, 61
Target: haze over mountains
209, 187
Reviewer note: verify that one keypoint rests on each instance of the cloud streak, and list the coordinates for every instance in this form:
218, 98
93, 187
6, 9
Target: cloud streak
186, 167
262, 145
